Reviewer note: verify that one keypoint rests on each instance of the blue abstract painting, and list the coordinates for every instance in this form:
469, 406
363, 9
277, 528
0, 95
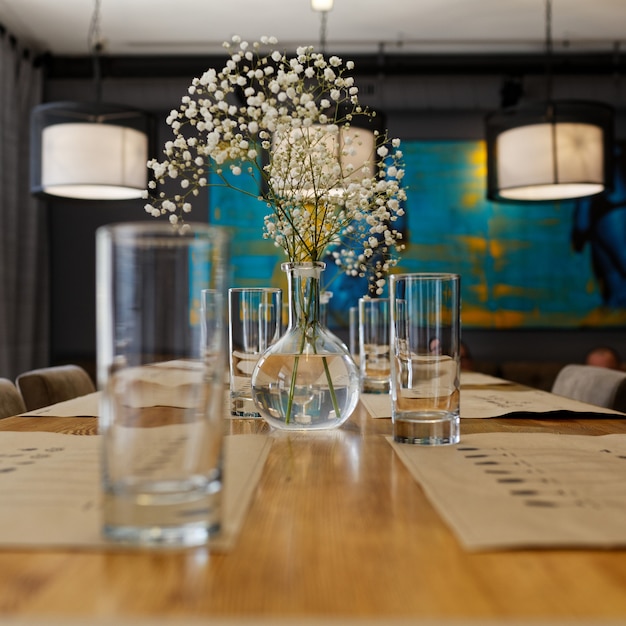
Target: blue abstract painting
539, 265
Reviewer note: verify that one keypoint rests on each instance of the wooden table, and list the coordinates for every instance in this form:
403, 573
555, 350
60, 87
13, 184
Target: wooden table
337, 528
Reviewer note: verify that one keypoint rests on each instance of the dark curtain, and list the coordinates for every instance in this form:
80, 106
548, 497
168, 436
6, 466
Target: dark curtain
23, 235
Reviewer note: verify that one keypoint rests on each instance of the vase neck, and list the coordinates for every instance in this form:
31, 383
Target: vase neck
304, 286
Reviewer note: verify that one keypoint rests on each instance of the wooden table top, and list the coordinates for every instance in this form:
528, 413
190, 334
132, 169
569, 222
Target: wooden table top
337, 528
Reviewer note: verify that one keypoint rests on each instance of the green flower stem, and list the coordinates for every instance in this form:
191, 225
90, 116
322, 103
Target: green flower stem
294, 373
331, 388
292, 388
308, 307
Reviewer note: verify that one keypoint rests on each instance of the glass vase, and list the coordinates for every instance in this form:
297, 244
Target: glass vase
307, 380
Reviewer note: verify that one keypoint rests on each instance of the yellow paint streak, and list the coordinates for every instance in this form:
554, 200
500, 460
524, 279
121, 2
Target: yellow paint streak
478, 157
481, 291
477, 317
474, 245
605, 317
503, 291
508, 319
497, 249
469, 200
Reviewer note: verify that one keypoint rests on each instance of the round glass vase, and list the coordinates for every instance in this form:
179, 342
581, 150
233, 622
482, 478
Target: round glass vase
307, 380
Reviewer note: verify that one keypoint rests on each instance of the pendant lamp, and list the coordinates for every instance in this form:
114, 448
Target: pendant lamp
354, 146
89, 151
552, 150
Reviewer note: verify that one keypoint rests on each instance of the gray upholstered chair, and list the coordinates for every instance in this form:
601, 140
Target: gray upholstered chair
49, 385
596, 385
11, 401
538, 374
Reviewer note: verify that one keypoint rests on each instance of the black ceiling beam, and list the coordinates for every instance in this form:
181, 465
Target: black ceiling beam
61, 67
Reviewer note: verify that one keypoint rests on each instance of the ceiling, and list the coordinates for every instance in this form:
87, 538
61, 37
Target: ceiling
198, 27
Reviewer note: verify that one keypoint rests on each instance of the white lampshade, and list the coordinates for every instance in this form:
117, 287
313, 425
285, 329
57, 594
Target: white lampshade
556, 151
353, 149
93, 161
353, 146
525, 161
358, 146
79, 154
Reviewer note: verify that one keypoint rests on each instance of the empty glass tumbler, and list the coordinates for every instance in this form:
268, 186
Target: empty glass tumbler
425, 365
161, 359
254, 316
374, 344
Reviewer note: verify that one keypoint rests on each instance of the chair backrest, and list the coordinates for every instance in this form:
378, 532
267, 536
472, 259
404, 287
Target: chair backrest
538, 374
49, 385
596, 385
11, 401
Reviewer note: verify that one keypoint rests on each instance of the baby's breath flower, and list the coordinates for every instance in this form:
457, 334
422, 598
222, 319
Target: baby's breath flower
295, 110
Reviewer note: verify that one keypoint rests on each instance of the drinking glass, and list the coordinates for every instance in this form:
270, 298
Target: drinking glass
425, 365
353, 323
374, 344
254, 324
161, 360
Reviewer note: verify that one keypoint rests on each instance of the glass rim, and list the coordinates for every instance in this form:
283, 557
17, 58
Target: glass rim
287, 265
254, 289
425, 276
367, 299
161, 230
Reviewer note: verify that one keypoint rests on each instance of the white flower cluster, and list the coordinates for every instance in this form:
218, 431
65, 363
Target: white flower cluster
295, 126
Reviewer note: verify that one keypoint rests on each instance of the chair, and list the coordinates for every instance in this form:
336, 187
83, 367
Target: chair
596, 385
537, 374
11, 402
49, 385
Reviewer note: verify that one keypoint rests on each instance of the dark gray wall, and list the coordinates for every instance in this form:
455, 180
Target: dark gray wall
417, 107
73, 223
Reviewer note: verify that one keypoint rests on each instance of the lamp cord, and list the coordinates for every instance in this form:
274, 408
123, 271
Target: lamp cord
94, 43
549, 50
617, 78
550, 112
323, 25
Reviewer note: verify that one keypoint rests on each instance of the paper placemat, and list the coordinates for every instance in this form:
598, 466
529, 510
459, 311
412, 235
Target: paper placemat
83, 406
89, 406
478, 378
520, 490
50, 489
485, 396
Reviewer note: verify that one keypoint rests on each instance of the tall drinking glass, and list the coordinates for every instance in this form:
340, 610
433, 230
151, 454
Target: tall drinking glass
161, 361
425, 365
254, 324
374, 344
